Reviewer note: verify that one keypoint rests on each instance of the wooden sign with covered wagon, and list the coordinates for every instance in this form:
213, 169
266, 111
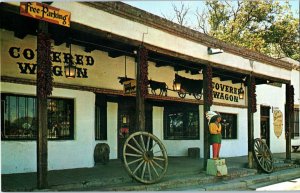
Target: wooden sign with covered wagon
181, 85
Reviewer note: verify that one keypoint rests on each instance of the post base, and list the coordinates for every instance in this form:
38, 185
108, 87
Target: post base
216, 167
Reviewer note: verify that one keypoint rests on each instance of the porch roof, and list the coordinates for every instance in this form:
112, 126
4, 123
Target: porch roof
124, 28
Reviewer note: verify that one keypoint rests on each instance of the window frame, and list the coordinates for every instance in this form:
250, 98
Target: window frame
294, 124
34, 137
180, 108
236, 124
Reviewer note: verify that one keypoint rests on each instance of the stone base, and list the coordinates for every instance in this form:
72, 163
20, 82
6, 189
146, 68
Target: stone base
216, 167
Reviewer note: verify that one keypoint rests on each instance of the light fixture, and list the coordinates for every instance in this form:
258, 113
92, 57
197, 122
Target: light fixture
241, 92
52, 106
176, 85
124, 119
70, 68
211, 51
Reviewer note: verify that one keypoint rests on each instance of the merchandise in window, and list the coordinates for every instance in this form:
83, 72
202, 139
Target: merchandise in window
229, 126
19, 118
181, 122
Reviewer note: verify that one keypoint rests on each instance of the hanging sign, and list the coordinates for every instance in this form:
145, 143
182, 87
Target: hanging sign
277, 115
46, 13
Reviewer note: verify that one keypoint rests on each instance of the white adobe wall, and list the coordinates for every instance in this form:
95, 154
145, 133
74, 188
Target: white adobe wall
275, 97
295, 80
20, 156
272, 96
126, 28
239, 146
174, 147
112, 130
233, 147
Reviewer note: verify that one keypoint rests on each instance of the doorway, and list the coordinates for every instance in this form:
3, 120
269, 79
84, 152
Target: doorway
127, 120
265, 124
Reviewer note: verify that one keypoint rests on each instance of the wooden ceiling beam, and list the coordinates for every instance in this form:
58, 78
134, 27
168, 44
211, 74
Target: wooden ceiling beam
115, 54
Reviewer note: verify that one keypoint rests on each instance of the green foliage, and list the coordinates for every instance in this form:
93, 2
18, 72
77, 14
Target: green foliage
264, 26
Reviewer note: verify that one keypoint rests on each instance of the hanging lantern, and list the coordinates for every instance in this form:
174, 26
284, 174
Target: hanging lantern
70, 68
176, 85
241, 92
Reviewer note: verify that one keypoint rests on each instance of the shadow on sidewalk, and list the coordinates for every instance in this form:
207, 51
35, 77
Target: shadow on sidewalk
114, 173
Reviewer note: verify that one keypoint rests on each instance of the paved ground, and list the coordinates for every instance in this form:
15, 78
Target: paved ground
182, 172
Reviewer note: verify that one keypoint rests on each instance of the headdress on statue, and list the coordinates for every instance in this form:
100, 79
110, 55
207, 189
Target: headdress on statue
211, 116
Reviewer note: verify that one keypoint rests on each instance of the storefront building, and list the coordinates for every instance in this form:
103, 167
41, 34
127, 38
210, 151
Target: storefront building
98, 105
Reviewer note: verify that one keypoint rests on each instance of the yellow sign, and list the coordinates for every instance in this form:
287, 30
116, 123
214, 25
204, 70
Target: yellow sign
45, 12
277, 115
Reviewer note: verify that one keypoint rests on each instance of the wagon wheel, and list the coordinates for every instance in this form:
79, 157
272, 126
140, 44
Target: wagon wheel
197, 96
263, 155
145, 157
181, 94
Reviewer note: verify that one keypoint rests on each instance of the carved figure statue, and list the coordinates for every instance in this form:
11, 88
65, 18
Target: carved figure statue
215, 129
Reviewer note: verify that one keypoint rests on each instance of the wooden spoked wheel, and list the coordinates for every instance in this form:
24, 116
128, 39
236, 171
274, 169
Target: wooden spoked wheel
197, 96
263, 155
181, 94
145, 157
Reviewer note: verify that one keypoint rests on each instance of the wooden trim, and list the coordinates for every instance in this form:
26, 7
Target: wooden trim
114, 92
140, 16
96, 90
270, 78
230, 105
176, 99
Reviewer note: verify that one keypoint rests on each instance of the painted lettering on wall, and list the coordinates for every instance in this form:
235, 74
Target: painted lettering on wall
29, 66
225, 92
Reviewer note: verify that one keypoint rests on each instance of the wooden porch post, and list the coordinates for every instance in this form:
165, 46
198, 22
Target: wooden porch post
42, 147
141, 87
289, 109
207, 93
251, 110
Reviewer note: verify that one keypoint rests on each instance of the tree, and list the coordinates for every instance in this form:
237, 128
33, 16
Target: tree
180, 14
264, 26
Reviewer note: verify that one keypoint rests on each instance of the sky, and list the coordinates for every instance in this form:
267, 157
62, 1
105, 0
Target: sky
158, 7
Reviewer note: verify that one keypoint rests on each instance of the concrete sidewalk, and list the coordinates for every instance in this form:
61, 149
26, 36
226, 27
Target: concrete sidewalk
181, 170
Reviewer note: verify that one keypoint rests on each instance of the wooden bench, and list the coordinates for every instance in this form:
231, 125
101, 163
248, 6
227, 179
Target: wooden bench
295, 147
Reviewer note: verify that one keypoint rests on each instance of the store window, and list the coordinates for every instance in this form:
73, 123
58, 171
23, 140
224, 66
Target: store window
295, 128
181, 122
229, 126
19, 118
